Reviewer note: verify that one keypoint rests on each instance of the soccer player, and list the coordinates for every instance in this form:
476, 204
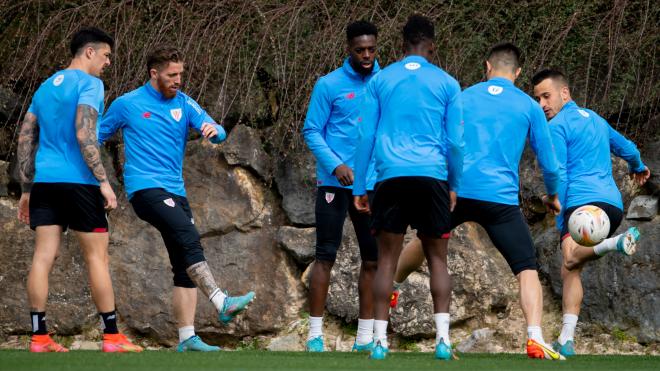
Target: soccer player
155, 119
413, 127
65, 185
583, 142
499, 118
331, 130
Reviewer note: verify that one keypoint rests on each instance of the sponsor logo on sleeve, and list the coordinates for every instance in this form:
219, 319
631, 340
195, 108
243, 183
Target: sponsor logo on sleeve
194, 105
583, 113
412, 66
176, 114
58, 80
350, 95
146, 115
495, 90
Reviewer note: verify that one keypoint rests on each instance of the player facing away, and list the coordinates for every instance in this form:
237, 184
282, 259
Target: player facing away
583, 142
499, 118
331, 131
65, 185
413, 127
154, 120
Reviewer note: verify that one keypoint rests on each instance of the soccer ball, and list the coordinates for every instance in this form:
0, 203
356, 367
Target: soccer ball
589, 225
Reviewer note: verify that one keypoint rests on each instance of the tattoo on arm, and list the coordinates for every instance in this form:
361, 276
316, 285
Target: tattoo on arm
201, 275
28, 142
86, 133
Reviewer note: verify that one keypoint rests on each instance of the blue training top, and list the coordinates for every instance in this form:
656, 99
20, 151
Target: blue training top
155, 131
333, 116
414, 126
55, 103
498, 119
583, 142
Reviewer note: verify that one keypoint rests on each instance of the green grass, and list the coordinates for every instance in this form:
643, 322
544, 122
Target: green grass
246, 360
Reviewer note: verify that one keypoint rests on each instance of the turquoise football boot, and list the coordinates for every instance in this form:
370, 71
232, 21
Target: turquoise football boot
315, 345
442, 350
378, 352
195, 344
233, 306
362, 348
627, 243
566, 350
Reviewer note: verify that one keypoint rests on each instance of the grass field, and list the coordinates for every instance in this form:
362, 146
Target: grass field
251, 360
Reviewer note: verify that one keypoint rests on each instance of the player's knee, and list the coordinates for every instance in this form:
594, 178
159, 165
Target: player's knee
325, 261
326, 254
369, 266
184, 282
527, 264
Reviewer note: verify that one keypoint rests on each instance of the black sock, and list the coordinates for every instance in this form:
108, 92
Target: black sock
109, 322
38, 323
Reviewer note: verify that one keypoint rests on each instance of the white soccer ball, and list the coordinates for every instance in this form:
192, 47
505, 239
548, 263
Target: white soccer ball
589, 225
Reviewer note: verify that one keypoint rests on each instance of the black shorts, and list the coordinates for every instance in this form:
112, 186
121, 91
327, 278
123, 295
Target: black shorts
416, 201
70, 205
505, 226
613, 213
171, 215
332, 204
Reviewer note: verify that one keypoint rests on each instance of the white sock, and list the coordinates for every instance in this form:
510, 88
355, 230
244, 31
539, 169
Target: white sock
365, 331
606, 246
315, 327
441, 327
396, 285
568, 329
535, 333
186, 332
217, 297
380, 332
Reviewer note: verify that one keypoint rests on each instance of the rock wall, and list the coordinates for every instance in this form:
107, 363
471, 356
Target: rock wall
256, 217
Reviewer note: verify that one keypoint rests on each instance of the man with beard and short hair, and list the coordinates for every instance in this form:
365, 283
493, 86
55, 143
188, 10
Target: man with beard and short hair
583, 142
413, 128
154, 120
57, 147
330, 131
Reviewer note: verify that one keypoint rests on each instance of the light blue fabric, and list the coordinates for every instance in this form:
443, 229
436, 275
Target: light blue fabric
413, 125
333, 118
55, 103
583, 142
155, 131
499, 118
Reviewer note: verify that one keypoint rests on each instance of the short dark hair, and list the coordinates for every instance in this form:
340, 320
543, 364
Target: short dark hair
359, 28
89, 35
418, 29
549, 73
162, 55
504, 55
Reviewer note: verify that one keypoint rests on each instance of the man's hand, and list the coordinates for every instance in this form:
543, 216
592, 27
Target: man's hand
109, 196
552, 204
361, 204
641, 177
452, 200
24, 208
344, 175
209, 130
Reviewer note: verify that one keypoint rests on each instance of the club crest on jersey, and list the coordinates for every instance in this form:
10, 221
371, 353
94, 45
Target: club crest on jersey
412, 66
176, 114
329, 197
583, 113
58, 80
495, 90
169, 202
350, 95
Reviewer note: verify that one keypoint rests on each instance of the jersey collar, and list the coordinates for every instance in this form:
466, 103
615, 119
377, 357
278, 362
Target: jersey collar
569, 105
155, 93
414, 58
501, 80
348, 69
